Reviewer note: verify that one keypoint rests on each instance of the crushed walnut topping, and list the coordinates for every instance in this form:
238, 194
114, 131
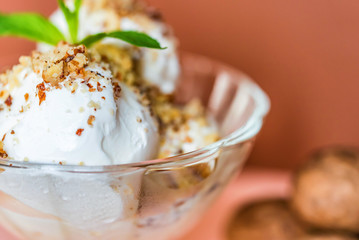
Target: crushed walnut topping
178, 123
94, 105
90, 120
8, 101
99, 88
79, 131
3, 153
65, 60
10, 77
120, 62
41, 92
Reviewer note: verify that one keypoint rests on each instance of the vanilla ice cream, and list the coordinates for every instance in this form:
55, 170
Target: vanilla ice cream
87, 118
160, 68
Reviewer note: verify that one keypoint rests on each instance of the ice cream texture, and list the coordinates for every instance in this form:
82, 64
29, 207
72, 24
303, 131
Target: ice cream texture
65, 107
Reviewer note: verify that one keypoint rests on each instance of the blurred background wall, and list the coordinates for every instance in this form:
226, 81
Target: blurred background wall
304, 53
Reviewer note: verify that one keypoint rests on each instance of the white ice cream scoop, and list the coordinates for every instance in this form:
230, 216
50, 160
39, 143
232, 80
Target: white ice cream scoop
79, 122
87, 118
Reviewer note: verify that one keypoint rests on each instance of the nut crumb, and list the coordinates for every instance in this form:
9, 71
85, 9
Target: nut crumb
94, 105
99, 88
8, 101
41, 92
3, 154
90, 120
79, 131
12, 132
65, 60
26, 96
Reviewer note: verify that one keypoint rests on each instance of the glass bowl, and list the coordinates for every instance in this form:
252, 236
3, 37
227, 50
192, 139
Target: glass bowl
156, 199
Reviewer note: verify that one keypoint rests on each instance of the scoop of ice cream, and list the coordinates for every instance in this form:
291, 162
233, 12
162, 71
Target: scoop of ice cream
62, 107
160, 68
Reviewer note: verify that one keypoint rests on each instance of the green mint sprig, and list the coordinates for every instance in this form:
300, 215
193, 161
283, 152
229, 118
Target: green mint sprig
30, 26
37, 28
135, 38
72, 17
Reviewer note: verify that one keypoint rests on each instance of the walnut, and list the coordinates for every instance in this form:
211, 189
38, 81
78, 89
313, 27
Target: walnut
61, 62
77, 63
54, 74
8, 101
41, 92
90, 120
79, 131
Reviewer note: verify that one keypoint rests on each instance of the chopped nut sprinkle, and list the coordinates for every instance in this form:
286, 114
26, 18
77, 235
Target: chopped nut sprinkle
94, 105
8, 101
99, 88
26, 96
3, 154
89, 85
90, 120
12, 132
63, 61
41, 92
79, 131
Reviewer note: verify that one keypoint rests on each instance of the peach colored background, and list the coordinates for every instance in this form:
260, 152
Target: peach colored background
304, 53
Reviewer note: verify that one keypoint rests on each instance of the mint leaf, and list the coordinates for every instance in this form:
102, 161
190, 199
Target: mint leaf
31, 26
135, 38
72, 18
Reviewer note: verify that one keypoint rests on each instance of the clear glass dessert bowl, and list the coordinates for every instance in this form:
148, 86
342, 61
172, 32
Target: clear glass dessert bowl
155, 199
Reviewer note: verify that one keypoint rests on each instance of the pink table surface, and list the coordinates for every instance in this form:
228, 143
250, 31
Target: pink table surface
250, 185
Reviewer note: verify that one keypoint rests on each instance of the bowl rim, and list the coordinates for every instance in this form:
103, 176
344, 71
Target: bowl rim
246, 132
